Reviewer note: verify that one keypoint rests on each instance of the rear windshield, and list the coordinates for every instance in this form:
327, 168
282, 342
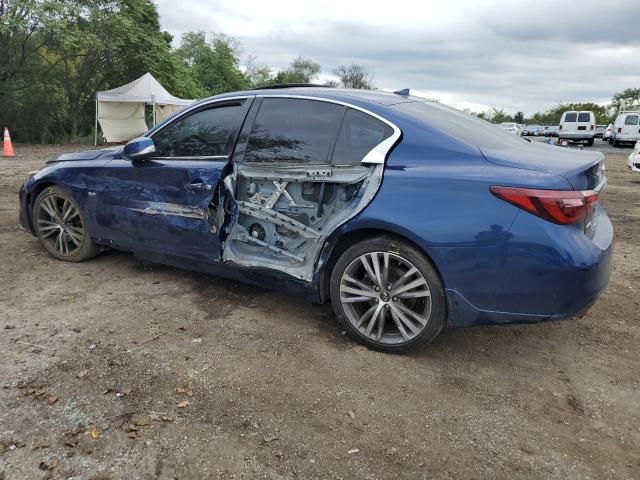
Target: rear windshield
570, 117
467, 128
584, 117
631, 120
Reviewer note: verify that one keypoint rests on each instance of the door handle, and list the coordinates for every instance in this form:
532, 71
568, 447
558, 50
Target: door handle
198, 187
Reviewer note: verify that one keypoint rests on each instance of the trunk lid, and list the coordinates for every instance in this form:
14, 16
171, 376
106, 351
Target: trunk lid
583, 169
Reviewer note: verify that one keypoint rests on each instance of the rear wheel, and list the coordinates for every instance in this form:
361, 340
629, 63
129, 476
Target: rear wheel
387, 295
590, 142
60, 226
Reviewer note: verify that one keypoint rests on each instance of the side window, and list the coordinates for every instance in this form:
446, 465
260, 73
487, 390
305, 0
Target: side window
205, 133
293, 131
631, 120
570, 117
360, 133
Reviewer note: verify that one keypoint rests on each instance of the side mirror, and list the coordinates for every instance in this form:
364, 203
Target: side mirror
139, 148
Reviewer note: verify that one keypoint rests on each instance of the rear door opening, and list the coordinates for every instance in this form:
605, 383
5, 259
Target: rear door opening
304, 168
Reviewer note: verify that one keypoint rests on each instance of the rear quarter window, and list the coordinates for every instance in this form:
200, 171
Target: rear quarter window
584, 117
570, 117
359, 134
631, 120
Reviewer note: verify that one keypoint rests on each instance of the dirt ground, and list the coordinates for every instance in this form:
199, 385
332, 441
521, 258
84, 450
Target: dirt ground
117, 369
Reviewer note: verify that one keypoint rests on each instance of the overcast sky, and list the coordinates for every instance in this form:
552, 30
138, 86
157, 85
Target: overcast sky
514, 54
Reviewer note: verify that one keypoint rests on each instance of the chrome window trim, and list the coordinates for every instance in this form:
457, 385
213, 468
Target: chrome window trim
377, 155
197, 158
601, 186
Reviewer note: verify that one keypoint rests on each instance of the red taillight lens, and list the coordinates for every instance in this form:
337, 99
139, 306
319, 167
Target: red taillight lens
558, 206
619, 129
592, 127
560, 127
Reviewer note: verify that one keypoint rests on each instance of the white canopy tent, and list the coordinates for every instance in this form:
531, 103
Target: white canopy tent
120, 111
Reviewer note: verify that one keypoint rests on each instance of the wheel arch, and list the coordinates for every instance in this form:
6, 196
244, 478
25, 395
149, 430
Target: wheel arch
334, 247
33, 194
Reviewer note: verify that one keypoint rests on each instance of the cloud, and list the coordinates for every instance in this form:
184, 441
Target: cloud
516, 55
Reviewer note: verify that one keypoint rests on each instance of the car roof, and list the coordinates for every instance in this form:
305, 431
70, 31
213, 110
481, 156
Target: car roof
340, 94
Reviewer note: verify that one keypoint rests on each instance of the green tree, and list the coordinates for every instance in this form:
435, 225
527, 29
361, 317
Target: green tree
498, 115
68, 50
354, 76
215, 65
629, 98
300, 70
519, 117
258, 75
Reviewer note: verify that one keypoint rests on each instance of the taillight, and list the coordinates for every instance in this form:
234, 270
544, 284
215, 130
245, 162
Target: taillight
560, 127
591, 127
558, 206
619, 129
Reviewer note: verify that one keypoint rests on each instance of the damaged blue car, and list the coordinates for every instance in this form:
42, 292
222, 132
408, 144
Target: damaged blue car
407, 215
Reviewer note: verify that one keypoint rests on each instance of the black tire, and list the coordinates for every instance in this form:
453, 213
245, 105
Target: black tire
610, 141
616, 143
399, 254
590, 142
78, 247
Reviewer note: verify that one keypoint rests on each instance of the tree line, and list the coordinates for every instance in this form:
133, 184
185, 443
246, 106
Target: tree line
605, 114
56, 54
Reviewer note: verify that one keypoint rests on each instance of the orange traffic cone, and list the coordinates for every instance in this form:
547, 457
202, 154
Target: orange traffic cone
7, 147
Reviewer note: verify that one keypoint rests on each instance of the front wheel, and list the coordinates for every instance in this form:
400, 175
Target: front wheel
61, 227
387, 295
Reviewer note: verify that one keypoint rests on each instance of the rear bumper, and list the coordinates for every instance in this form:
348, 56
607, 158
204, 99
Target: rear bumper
542, 272
626, 137
577, 136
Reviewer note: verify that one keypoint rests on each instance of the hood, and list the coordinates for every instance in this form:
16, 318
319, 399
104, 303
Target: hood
583, 169
103, 154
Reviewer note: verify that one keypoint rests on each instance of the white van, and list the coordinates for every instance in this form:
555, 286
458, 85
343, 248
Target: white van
626, 128
578, 126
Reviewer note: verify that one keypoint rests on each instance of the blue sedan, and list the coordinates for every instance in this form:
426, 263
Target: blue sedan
407, 215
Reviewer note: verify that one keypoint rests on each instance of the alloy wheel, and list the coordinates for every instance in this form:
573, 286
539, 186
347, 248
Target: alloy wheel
59, 224
385, 297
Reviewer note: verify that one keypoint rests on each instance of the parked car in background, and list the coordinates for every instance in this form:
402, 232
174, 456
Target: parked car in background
634, 158
344, 196
551, 131
578, 126
606, 135
600, 131
535, 130
511, 127
626, 128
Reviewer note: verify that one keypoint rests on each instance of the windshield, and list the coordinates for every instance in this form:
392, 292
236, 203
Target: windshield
467, 128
